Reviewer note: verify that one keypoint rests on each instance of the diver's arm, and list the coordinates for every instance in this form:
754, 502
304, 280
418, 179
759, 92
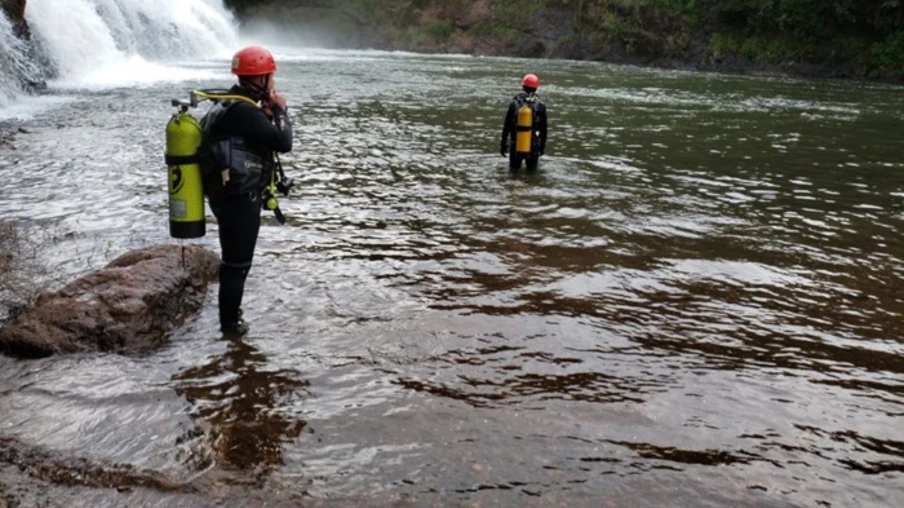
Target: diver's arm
507, 129
508, 123
541, 126
275, 135
283, 124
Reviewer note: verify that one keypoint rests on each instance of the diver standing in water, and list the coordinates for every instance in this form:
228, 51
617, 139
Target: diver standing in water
242, 135
524, 129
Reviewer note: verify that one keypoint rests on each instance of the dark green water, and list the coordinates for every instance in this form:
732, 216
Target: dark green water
695, 302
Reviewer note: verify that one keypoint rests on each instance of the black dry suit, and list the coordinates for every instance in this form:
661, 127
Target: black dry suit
510, 129
239, 138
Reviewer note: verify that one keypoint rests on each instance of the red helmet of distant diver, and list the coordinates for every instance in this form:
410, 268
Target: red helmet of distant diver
531, 81
253, 61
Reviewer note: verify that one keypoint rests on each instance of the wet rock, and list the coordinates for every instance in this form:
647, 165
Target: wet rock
74, 471
35, 476
15, 12
128, 306
14, 9
6, 138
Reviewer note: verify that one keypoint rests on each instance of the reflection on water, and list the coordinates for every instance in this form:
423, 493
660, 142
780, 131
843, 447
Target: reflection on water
237, 401
695, 302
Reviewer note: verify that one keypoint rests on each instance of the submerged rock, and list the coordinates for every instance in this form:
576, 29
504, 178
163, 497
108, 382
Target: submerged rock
127, 306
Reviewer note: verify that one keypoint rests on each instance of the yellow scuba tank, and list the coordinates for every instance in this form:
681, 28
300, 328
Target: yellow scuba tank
524, 129
186, 193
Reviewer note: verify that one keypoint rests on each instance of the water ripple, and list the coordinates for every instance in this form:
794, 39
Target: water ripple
694, 302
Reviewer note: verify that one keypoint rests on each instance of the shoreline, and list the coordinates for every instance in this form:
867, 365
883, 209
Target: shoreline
643, 38
728, 66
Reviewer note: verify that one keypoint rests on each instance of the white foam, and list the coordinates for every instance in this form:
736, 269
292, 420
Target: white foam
135, 71
29, 107
114, 42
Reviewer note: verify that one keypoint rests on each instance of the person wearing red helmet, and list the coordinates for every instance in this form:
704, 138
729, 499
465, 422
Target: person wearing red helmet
241, 134
524, 127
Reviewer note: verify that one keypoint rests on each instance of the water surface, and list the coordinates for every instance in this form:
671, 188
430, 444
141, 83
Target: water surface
695, 302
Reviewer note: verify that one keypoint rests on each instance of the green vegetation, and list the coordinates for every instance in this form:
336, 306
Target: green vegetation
866, 36
864, 33
440, 30
496, 30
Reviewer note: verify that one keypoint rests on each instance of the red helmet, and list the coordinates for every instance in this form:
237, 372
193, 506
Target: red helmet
531, 81
253, 61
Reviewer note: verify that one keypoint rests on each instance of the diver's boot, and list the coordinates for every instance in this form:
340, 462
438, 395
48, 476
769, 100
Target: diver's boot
236, 328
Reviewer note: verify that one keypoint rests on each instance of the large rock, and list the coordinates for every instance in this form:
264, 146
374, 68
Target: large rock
14, 9
128, 306
15, 12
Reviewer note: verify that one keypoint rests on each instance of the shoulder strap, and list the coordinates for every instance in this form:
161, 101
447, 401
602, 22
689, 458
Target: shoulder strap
213, 116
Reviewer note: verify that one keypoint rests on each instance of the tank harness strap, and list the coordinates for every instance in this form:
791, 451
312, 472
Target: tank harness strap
181, 160
522, 128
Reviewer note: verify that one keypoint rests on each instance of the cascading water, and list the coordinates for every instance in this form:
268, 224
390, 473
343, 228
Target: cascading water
18, 64
112, 42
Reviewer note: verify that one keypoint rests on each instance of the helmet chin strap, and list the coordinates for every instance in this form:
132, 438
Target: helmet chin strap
260, 92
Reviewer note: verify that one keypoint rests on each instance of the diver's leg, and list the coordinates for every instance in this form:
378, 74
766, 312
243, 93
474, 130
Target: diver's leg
239, 221
514, 161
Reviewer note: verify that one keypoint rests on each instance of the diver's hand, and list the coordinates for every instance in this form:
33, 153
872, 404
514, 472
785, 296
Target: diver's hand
503, 150
275, 99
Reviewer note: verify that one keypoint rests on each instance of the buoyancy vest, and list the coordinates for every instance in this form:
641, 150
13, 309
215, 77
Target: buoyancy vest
229, 166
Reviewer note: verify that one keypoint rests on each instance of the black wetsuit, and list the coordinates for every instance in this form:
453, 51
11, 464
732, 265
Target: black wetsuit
538, 137
239, 216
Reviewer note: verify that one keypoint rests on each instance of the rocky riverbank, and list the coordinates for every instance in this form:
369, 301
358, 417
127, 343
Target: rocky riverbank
712, 36
657, 33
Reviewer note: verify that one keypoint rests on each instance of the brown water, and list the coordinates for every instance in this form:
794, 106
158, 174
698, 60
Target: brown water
695, 302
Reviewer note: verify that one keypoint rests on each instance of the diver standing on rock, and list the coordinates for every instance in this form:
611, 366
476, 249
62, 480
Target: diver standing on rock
242, 135
524, 128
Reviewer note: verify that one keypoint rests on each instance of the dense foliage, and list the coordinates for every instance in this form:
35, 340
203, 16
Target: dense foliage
865, 35
869, 33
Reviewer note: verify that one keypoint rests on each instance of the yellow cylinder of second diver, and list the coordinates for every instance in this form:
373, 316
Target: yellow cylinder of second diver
524, 130
186, 193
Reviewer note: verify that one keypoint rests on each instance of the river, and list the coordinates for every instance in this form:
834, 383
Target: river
695, 302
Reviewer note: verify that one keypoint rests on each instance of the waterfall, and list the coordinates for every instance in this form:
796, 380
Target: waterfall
18, 65
112, 42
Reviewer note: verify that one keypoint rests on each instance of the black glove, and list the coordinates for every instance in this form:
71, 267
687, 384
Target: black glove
503, 150
542, 150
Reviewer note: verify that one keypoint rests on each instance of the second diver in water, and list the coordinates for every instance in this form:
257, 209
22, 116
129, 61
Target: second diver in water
524, 128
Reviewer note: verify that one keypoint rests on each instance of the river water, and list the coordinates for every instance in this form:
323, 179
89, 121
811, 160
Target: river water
695, 302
